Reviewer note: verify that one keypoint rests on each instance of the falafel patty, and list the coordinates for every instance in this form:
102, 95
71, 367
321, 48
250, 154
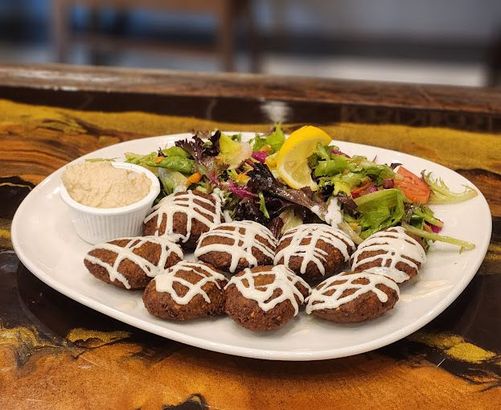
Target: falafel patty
237, 245
353, 297
265, 297
314, 251
392, 253
184, 216
188, 290
131, 263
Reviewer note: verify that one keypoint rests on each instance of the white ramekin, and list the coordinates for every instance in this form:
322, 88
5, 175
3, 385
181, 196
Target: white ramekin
96, 225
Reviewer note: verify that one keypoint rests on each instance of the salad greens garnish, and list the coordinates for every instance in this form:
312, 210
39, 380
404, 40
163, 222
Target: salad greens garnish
262, 180
204, 155
347, 228
262, 206
421, 233
379, 210
370, 196
171, 180
169, 160
332, 166
270, 143
441, 194
349, 175
343, 183
232, 151
173, 152
420, 216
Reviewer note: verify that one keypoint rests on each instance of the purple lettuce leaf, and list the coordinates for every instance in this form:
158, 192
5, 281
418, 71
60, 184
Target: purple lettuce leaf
262, 180
205, 164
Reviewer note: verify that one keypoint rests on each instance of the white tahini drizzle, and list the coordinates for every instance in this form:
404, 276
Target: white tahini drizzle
284, 279
242, 243
397, 247
334, 215
186, 202
165, 281
311, 252
321, 298
167, 248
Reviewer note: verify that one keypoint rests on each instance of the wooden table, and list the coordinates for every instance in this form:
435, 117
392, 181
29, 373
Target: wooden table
57, 354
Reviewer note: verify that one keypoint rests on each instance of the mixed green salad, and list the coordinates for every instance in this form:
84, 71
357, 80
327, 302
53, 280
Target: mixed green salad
283, 182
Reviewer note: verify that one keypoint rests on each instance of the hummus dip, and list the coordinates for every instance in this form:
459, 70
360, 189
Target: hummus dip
100, 185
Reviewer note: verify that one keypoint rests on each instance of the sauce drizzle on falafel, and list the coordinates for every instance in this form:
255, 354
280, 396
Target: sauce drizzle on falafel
131, 251
191, 207
342, 289
237, 239
284, 280
304, 242
165, 282
388, 249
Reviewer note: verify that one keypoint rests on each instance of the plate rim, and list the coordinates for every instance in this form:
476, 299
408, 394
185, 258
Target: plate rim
232, 349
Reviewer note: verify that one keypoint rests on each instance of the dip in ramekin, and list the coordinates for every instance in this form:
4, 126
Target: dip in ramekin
105, 204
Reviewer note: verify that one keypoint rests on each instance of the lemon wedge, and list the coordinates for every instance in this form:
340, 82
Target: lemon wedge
292, 158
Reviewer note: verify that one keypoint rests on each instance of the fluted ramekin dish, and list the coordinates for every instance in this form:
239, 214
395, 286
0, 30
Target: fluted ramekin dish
96, 225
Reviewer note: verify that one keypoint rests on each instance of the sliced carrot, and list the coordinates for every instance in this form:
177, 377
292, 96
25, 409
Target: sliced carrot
412, 186
193, 178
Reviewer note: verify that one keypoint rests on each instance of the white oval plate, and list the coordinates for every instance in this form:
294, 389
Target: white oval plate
44, 239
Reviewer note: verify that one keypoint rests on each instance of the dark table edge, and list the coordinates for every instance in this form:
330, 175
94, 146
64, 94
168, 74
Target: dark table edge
251, 86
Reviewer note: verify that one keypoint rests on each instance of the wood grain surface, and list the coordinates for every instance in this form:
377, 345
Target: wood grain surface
57, 354
80, 78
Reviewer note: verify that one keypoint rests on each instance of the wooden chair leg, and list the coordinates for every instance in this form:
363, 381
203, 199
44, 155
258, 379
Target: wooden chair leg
226, 34
96, 54
60, 29
252, 36
494, 63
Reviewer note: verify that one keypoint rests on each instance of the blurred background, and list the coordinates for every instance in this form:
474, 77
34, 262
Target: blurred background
455, 42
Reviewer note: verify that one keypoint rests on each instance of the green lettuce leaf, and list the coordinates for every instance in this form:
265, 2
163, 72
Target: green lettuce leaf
290, 219
377, 172
172, 181
441, 194
262, 206
421, 214
463, 245
232, 152
346, 182
175, 152
379, 210
331, 167
347, 173
323, 152
175, 162
274, 140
